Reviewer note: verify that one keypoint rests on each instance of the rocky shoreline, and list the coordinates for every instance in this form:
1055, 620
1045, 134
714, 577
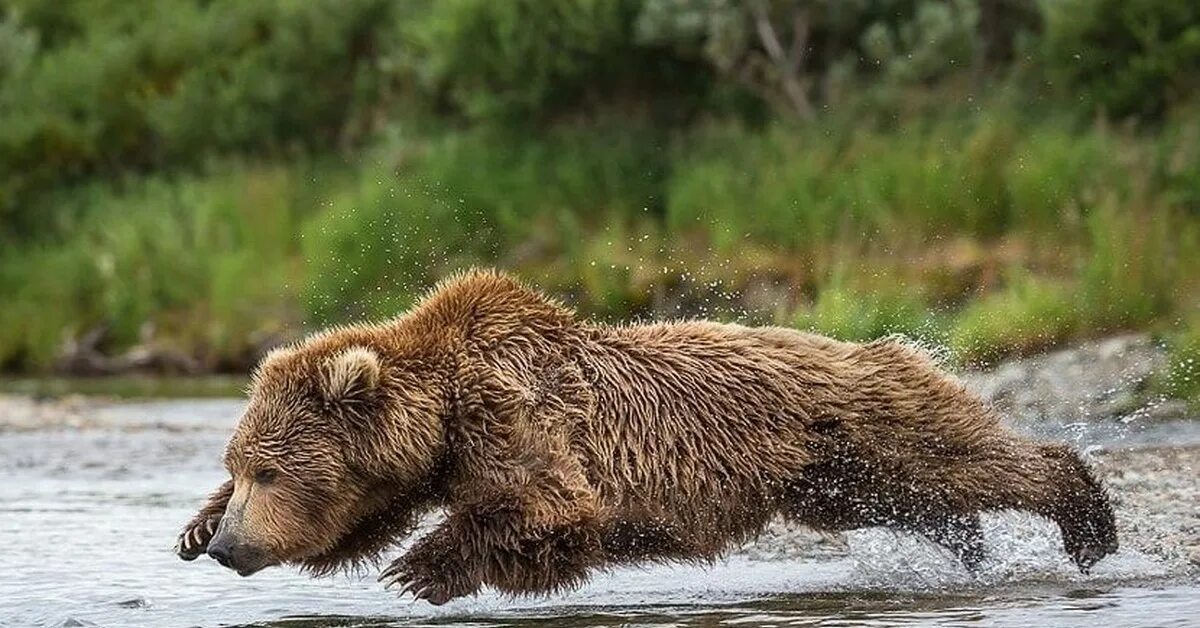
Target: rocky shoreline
1106, 379
1157, 491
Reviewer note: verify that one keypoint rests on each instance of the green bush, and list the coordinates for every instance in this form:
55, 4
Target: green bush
1028, 315
851, 313
96, 90
1181, 377
524, 59
106, 88
799, 54
202, 261
1128, 57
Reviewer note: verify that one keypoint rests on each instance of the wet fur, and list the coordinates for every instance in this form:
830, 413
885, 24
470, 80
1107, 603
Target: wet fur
558, 446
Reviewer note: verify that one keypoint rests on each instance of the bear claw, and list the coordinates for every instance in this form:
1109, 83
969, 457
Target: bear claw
193, 541
419, 582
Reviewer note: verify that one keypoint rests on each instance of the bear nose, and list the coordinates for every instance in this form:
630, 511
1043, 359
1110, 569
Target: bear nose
221, 552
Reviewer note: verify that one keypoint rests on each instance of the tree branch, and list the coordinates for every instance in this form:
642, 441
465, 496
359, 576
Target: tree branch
783, 62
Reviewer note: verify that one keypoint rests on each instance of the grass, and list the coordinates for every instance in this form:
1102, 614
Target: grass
199, 263
980, 176
1132, 275
1181, 378
861, 307
988, 231
128, 387
1027, 315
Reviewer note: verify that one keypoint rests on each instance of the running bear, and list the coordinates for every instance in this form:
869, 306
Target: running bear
557, 446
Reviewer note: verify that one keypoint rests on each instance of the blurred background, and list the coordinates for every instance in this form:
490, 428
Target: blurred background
185, 184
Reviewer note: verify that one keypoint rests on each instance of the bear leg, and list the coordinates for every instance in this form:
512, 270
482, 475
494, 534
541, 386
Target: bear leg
436, 569
1048, 480
1080, 506
544, 561
849, 494
193, 540
498, 549
635, 541
959, 533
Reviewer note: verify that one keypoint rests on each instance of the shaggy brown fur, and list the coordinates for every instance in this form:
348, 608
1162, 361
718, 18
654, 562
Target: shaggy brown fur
557, 446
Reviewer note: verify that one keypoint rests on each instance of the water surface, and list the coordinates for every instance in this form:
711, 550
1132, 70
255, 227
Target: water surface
88, 516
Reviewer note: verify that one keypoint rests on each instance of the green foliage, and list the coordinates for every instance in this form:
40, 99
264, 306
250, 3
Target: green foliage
1055, 173
1133, 273
606, 216
1128, 57
939, 37
217, 173
1030, 314
867, 312
97, 89
101, 87
982, 177
378, 245
1181, 378
469, 197
524, 58
175, 254
794, 53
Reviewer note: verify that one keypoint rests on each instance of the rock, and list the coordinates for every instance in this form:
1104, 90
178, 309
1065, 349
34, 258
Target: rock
83, 356
1098, 380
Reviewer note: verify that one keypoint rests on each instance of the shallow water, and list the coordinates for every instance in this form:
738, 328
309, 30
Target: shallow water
88, 518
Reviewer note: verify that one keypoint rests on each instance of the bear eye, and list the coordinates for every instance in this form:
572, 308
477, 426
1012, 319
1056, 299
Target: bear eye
265, 476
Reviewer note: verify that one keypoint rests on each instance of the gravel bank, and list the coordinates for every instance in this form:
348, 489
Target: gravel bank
1097, 380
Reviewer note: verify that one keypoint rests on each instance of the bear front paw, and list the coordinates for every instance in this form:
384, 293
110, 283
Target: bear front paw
434, 579
193, 540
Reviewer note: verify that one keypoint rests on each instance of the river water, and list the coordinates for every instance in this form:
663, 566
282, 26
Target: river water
89, 509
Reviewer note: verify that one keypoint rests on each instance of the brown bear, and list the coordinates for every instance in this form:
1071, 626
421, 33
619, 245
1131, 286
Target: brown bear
557, 446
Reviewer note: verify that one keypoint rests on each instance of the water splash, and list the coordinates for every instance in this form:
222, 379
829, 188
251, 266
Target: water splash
1020, 548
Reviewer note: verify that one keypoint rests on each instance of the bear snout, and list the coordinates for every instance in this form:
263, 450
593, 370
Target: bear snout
235, 554
221, 550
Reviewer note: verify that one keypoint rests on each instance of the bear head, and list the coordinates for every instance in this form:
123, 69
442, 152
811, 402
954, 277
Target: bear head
335, 440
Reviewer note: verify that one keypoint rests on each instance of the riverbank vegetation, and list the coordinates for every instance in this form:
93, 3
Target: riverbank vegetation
211, 178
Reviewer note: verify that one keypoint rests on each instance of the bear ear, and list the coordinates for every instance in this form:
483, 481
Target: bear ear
351, 374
